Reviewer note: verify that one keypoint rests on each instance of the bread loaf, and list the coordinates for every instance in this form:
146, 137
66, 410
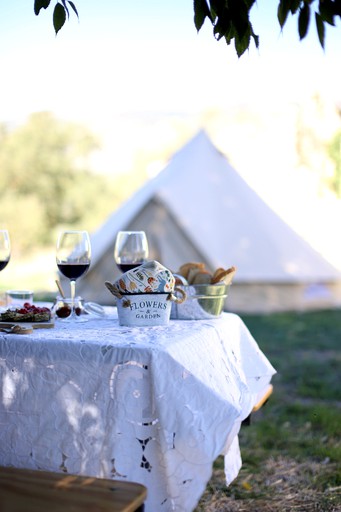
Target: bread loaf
197, 273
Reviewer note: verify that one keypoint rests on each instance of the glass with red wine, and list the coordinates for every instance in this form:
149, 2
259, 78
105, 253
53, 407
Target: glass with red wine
73, 259
5, 248
5, 253
131, 249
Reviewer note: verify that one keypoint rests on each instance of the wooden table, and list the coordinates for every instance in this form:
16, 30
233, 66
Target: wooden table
24, 490
153, 405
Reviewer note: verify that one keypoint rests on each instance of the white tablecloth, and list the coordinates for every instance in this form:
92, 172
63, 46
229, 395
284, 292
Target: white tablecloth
154, 405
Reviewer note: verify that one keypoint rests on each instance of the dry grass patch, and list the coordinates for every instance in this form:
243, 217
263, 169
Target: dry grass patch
283, 485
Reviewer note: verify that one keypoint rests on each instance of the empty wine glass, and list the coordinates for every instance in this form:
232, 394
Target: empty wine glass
131, 249
5, 248
73, 259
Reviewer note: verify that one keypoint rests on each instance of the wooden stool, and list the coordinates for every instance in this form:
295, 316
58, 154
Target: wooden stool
25, 490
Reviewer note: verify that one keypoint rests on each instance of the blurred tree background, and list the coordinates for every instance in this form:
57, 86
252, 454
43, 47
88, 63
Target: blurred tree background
334, 150
46, 181
51, 179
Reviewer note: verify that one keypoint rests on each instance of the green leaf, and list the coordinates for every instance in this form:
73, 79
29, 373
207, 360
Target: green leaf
218, 5
228, 40
286, 6
255, 37
230, 34
222, 28
73, 8
337, 7
303, 20
294, 5
320, 28
239, 16
256, 40
40, 4
327, 12
66, 8
201, 11
249, 3
242, 44
230, 19
283, 11
59, 17
223, 24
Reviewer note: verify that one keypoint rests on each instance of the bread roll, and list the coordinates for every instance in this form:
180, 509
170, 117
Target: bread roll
225, 276
202, 278
217, 272
186, 267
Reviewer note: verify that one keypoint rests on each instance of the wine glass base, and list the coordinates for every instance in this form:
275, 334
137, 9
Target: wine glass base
74, 319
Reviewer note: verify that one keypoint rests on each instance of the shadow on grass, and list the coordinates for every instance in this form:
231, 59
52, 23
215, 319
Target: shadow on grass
291, 452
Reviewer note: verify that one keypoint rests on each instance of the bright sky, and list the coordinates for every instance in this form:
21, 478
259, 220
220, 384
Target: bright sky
125, 64
146, 56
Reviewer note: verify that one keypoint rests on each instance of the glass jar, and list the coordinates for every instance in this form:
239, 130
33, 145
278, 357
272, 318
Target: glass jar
62, 307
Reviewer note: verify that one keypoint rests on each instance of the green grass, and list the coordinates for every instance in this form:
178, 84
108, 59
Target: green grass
298, 432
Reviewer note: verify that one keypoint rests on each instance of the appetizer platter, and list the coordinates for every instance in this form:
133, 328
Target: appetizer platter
29, 316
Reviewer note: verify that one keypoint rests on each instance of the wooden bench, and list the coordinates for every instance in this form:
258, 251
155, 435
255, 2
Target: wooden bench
262, 401
25, 490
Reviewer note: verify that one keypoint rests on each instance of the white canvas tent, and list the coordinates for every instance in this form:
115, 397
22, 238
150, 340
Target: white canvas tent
200, 209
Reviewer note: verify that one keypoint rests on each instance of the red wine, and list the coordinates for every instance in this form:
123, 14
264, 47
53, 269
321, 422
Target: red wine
124, 267
3, 264
73, 270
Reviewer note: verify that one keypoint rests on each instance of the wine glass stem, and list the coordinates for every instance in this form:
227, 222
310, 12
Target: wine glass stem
73, 294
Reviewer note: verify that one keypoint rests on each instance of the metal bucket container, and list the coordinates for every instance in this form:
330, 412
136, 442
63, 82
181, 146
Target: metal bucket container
203, 301
144, 309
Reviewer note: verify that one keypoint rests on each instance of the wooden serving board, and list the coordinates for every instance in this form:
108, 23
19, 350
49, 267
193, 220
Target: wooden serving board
29, 325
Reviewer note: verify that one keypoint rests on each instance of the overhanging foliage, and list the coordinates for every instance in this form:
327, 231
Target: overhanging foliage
230, 19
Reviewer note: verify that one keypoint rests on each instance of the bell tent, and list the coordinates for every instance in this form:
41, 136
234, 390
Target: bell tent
200, 209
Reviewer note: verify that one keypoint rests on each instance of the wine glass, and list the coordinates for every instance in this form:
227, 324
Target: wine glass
131, 249
5, 251
5, 248
73, 259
